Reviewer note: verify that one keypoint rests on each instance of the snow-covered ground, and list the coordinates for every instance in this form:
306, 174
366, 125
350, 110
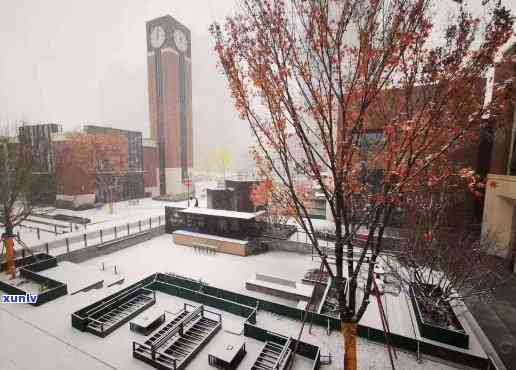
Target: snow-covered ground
42, 337
123, 213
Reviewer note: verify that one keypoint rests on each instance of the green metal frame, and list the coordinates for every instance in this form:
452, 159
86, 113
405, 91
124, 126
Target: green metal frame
29, 268
247, 306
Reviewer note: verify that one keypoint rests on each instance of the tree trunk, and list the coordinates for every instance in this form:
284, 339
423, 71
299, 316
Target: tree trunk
349, 333
9, 255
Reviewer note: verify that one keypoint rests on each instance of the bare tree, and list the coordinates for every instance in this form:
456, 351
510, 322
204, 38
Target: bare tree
18, 196
442, 257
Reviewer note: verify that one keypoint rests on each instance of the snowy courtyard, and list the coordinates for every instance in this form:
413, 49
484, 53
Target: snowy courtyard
61, 346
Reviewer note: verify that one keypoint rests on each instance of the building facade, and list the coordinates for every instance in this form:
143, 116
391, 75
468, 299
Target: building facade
70, 184
475, 155
234, 196
499, 221
150, 168
170, 101
39, 138
127, 183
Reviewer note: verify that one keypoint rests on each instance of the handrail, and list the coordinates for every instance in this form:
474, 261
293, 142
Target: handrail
283, 353
214, 313
179, 327
114, 299
153, 353
325, 294
100, 322
192, 314
42, 246
167, 336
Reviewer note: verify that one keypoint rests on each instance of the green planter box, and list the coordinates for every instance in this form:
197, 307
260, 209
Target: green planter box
439, 334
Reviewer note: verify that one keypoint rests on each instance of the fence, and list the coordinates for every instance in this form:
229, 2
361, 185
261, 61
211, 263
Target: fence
99, 237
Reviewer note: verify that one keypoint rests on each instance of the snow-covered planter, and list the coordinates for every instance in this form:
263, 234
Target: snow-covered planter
438, 321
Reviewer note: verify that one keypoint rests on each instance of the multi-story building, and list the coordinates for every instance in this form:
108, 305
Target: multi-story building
76, 185
170, 102
474, 155
500, 199
235, 195
127, 183
150, 168
39, 138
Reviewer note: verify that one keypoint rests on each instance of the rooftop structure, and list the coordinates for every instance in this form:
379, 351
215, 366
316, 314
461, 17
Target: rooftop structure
234, 195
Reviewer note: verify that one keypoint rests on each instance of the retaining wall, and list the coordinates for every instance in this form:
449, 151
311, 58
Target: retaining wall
84, 254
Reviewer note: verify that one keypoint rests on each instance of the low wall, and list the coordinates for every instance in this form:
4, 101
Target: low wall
54, 289
29, 268
84, 254
165, 283
286, 245
223, 246
276, 280
278, 308
36, 262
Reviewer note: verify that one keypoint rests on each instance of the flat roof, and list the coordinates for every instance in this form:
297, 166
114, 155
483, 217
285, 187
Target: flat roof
221, 213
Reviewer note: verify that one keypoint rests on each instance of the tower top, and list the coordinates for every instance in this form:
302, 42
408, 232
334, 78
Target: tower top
168, 32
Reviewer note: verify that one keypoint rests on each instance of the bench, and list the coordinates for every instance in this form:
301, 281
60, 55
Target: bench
209, 249
280, 287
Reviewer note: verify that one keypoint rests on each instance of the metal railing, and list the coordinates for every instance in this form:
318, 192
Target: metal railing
101, 236
283, 355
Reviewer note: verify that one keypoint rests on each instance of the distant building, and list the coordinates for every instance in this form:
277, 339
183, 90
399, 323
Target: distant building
69, 185
500, 199
234, 196
130, 183
475, 155
39, 138
150, 168
170, 102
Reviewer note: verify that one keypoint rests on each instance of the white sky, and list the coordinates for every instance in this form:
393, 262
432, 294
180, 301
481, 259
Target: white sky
84, 61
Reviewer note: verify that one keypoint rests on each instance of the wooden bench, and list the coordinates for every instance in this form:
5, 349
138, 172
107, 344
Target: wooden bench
209, 249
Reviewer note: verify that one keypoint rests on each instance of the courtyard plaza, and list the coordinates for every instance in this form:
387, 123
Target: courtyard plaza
43, 337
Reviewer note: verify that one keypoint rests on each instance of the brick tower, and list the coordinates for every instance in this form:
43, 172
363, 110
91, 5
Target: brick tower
170, 101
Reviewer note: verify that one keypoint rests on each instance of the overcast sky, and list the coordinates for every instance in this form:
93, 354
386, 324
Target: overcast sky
78, 62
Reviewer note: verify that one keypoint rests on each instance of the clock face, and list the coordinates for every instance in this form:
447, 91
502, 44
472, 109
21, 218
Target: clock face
157, 37
180, 40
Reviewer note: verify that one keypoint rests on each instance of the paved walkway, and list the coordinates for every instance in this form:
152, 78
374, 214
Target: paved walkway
497, 318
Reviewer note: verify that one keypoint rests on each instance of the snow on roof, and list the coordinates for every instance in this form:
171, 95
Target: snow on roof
221, 213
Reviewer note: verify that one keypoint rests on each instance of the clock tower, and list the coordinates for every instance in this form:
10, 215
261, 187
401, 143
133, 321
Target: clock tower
170, 101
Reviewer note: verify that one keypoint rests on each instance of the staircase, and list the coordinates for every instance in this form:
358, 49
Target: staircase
165, 329
273, 356
192, 340
172, 347
115, 313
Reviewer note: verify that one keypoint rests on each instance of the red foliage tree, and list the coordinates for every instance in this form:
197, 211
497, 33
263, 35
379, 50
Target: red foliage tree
307, 75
